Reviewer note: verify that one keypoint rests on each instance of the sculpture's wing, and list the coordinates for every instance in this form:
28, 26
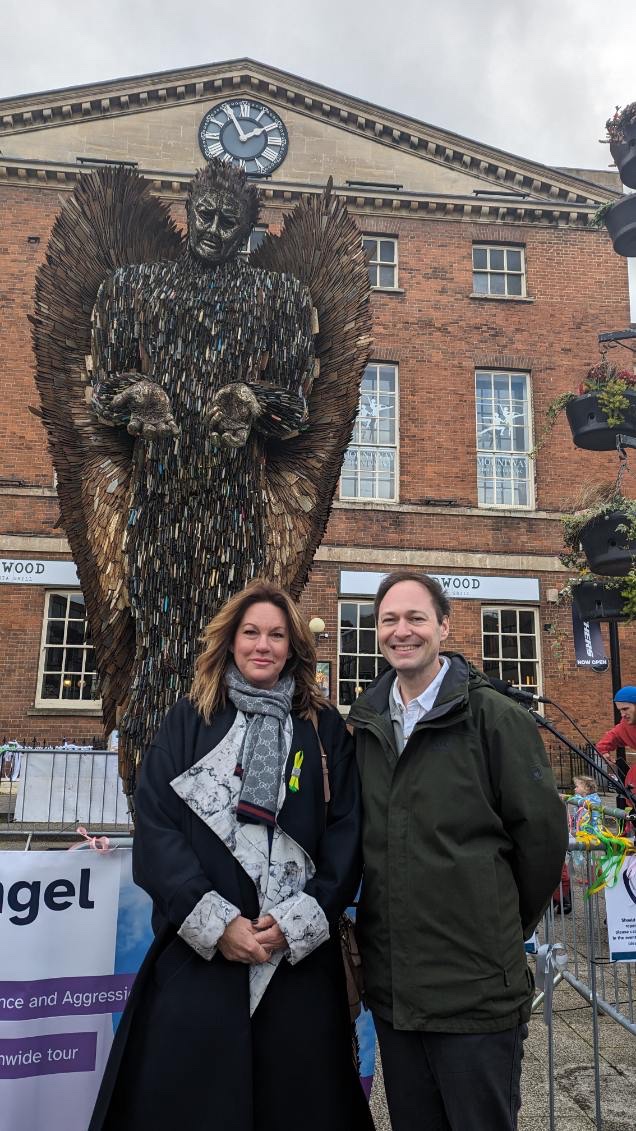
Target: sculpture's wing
110, 220
321, 245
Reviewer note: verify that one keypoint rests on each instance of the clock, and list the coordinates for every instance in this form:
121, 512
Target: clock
246, 133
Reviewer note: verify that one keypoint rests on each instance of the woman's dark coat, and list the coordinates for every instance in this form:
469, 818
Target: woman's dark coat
186, 1052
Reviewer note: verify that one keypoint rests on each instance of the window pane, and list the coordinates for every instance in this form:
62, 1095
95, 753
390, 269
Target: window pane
497, 261
526, 622
53, 659
370, 247
367, 619
76, 608
497, 284
57, 605
71, 687
55, 632
491, 646
366, 667
367, 645
514, 284
73, 659
514, 259
51, 686
527, 647
480, 284
491, 620
480, 258
387, 277
75, 632
508, 620
387, 251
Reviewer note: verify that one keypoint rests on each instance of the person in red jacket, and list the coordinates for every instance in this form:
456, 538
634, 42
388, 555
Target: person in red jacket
624, 733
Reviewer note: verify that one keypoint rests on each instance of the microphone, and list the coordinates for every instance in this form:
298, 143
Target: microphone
517, 693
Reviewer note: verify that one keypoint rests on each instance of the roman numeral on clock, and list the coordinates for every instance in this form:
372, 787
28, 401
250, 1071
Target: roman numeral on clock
269, 154
244, 109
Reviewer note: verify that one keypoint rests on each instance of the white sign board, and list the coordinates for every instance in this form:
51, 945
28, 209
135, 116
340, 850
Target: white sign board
37, 571
58, 985
458, 585
620, 902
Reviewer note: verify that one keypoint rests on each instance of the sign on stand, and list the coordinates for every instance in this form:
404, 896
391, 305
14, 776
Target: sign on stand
73, 931
620, 902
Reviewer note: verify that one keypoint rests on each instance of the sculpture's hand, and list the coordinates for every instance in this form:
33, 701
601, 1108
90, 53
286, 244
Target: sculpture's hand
150, 410
231, 415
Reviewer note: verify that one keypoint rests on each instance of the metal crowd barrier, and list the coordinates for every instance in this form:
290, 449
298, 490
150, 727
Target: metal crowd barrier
48, 792
573, 952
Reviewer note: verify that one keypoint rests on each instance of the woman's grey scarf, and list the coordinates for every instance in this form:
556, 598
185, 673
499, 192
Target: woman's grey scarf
264, 749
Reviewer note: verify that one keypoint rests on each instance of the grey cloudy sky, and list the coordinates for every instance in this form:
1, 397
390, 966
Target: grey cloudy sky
534, 77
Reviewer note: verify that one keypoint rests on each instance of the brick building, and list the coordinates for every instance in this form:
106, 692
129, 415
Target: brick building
490, 288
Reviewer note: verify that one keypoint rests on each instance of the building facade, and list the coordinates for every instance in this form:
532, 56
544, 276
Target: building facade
490, 287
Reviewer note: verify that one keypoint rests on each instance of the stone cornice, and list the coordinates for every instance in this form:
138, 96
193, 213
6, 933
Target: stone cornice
147, 92
476, 209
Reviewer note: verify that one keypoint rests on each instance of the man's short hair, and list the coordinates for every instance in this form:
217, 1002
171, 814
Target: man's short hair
440, 601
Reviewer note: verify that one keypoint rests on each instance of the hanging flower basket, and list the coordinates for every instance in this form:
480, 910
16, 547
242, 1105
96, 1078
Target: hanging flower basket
609, 550
595, 601
620, 221
589, 425
621, 130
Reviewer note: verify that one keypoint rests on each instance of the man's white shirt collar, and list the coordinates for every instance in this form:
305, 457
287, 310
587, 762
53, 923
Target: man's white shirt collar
415, 710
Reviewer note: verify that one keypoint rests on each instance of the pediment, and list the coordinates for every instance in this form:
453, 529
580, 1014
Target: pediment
153, 121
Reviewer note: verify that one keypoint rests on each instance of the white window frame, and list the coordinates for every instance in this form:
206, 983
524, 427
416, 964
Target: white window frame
375, 263
500, 659
377, 656
358, 445
508, 452
506, 271
59, 703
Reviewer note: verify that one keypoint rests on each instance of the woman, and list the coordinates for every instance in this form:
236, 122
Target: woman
238, 1017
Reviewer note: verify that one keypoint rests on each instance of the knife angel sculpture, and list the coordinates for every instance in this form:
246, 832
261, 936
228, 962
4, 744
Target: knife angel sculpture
198, 405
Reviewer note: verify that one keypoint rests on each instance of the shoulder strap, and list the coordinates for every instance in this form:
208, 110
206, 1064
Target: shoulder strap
313, 715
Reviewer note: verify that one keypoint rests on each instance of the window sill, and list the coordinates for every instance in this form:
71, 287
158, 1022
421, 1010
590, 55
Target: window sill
388, 291
92, 712
502, 298
347, 502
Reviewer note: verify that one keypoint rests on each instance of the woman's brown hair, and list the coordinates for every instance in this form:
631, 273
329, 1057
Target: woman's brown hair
208, 692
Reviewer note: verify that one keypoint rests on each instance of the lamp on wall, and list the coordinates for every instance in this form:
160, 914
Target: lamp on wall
317, 626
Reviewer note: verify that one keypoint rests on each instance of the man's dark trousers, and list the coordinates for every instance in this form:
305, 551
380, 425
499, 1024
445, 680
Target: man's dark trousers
452, 1081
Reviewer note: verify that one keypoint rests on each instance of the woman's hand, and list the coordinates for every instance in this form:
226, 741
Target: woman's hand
239, 943
269, 934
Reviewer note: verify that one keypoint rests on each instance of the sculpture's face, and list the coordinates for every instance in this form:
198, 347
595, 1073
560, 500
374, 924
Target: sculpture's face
217, 226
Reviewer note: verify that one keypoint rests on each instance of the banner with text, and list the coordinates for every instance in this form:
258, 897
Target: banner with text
73, 931
620, 902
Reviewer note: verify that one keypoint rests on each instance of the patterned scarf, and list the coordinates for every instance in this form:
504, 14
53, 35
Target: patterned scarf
264, 749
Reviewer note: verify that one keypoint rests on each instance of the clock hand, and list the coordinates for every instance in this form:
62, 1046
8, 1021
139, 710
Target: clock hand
230, 113
254, 133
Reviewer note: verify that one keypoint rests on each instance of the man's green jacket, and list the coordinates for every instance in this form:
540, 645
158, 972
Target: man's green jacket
464, 837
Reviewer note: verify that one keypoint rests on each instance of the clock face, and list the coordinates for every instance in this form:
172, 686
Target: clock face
245, 132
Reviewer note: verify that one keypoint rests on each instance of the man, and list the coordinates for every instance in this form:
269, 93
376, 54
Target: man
464, 837
624, 733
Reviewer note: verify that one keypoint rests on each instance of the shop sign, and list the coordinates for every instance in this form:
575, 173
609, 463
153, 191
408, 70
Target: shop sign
457, 585
37, 571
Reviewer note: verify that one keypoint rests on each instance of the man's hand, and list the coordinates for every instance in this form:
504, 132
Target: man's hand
150, 410
239, 943
269, 934
231, 415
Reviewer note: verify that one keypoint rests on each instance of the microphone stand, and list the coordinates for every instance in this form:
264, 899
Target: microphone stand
616, 786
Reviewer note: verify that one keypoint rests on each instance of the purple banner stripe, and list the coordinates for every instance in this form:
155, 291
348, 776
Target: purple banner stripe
44, 1056
63, 997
